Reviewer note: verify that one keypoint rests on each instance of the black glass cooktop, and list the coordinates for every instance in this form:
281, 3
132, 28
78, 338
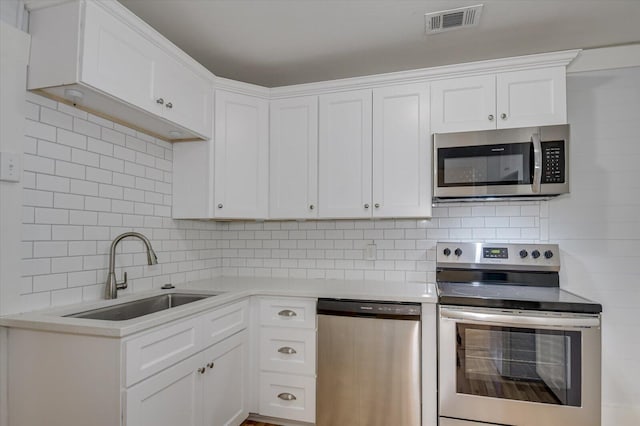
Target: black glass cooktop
514, 297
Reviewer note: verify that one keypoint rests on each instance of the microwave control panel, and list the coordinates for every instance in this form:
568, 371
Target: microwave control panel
553, 167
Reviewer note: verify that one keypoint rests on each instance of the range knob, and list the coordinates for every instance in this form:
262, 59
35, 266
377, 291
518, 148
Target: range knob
548, 254
446, 251
523, 253
535, 254
458, 252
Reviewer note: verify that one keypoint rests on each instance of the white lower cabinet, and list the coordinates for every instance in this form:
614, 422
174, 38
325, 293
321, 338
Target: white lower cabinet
226, 382
173, 397
288, 396
207, 389
287, 358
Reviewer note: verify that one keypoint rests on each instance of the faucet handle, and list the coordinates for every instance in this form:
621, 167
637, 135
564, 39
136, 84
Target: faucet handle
122, 285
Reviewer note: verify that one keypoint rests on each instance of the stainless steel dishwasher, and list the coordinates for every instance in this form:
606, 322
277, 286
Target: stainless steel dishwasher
368, 363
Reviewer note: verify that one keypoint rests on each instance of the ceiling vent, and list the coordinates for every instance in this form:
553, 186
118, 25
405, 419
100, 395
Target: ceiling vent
446, 20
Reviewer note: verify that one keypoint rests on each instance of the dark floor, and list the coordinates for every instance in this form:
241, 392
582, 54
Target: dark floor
254, 423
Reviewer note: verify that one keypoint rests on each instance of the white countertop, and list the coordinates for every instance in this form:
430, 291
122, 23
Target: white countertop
231, 289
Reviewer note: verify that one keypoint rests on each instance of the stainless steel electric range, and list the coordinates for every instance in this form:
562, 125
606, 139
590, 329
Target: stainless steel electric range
514, 348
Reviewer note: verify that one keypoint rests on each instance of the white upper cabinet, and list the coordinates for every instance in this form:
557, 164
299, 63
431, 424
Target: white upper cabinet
293, 155
531, 98
463, 104
401, 151
116, 60
240, 155
534, 97
187, 98
123, 69
345, 155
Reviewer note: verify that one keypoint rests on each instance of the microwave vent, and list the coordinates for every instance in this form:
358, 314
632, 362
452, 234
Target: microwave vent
446, 20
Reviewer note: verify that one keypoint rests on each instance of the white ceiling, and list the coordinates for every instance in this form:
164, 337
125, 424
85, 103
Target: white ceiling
282, 42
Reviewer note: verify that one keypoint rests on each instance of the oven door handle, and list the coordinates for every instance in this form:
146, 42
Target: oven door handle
527, 320
537, 163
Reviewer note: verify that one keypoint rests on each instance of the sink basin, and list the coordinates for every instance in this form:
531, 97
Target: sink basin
138, 308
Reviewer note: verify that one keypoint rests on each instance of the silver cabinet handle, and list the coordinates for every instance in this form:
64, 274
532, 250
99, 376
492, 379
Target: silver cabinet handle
169, 105
160, 101
490, 117
503, 116
287, 350
201, 370
210, 365
311, 207
376, 205
366, 206
287, 313
220, 205
286, 396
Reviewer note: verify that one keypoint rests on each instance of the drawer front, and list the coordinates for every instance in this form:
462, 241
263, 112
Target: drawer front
225, 321
157, 350
288, 397
285, 312
288, 350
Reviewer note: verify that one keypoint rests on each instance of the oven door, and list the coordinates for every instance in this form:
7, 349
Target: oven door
519, 367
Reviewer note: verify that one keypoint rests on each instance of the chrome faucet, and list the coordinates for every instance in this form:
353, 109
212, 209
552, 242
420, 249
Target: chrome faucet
112, 284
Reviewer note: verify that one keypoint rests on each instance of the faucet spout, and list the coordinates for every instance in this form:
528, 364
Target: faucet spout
112, 284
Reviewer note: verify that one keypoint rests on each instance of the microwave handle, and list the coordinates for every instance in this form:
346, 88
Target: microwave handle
537, 163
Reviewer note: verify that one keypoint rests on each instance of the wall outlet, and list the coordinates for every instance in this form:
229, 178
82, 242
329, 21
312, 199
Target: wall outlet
9, 167
370, 252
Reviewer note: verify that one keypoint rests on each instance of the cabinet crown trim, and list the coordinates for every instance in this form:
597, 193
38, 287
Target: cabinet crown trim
541, 60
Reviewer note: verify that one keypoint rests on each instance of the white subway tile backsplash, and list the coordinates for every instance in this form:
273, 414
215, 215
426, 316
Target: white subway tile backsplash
53, 150
84, 127
39, 130
83, 187
74, 140
37, 198
49, 282
79, 156
66, 169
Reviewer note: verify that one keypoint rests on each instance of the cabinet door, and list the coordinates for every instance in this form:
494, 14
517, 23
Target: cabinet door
531, 98
241, 155
345, 155
463, 104
188, 97
401, 154
117, 60
171, 397
293, 155
225, 384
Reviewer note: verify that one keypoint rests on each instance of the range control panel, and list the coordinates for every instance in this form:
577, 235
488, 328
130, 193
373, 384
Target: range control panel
543, 257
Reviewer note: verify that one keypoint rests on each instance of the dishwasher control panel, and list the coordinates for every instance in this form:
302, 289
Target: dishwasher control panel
367, 308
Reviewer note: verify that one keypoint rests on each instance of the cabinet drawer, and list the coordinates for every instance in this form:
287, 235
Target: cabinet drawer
225, 321
288, 397
284, 312
157, 350
288, 350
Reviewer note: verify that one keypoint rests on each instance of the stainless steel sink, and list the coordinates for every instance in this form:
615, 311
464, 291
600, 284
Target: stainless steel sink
138, 308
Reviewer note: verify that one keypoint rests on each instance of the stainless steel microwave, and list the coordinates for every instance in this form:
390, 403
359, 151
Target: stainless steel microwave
510, 163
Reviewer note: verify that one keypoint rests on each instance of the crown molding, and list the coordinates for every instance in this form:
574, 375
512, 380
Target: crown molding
540, 60
241, 87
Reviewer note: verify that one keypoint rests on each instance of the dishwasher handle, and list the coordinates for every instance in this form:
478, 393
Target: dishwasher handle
369, 309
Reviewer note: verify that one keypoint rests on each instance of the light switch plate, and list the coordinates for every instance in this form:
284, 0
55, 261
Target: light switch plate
9, 167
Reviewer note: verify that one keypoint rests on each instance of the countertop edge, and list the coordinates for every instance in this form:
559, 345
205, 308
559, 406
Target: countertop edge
230, 289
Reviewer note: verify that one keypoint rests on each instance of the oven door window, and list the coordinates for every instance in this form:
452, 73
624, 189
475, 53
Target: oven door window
504, 164
534, 365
